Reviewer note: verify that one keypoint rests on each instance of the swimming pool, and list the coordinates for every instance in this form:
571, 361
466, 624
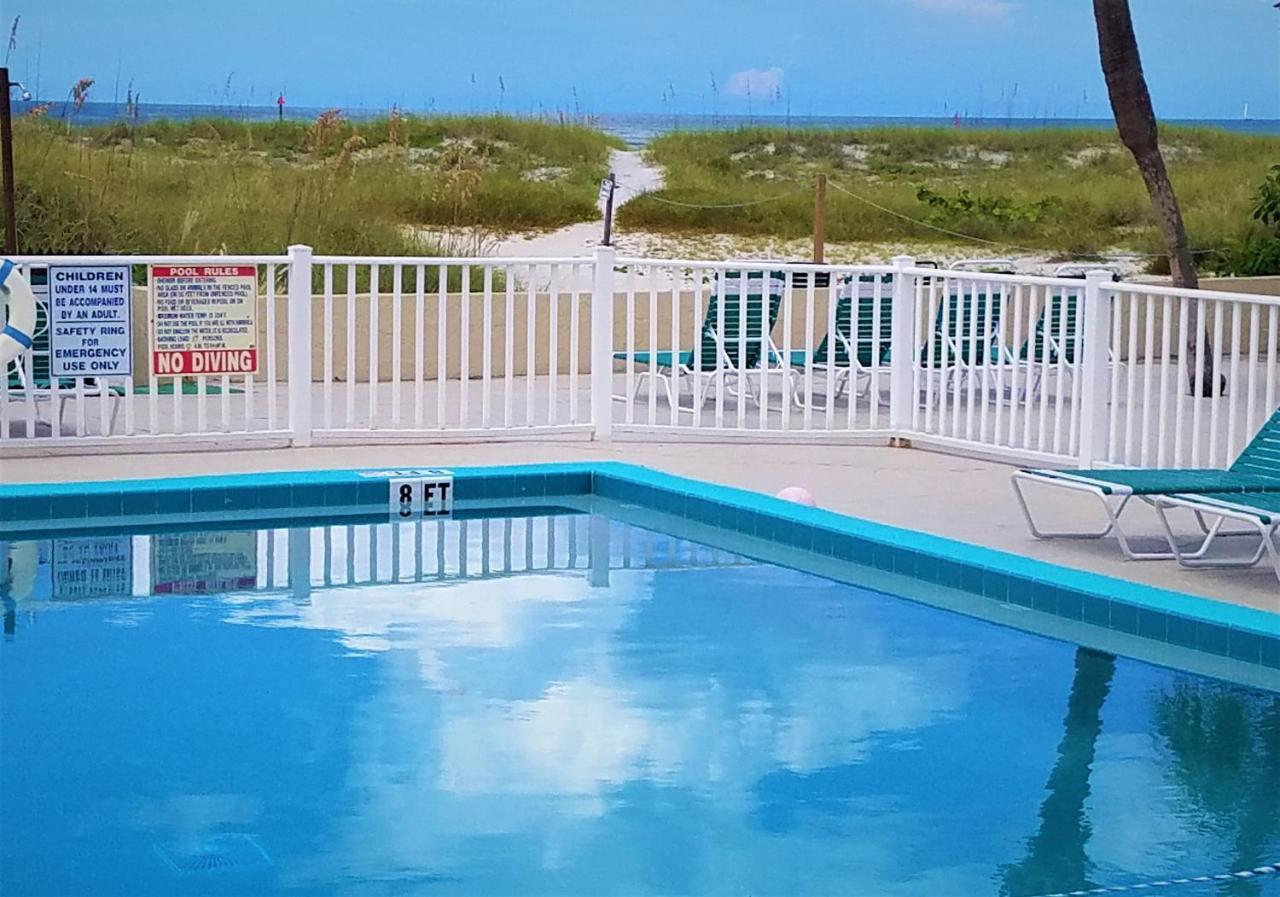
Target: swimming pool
546, 694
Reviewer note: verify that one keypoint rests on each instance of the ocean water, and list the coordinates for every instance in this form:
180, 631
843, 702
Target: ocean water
635, 129
502, 707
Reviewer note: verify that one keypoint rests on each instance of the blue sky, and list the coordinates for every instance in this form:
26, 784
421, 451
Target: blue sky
989, 58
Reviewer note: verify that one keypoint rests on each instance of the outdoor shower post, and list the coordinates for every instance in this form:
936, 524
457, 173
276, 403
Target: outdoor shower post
602, 344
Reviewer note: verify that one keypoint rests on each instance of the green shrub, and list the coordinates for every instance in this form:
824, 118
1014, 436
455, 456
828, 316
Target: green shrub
964, 208
1266, 206
1257, 253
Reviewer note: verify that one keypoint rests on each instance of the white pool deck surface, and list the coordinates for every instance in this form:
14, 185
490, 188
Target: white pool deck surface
957, 497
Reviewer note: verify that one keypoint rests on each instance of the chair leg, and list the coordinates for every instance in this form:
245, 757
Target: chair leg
1018, 490
1113, 506
842, 383
1034, 385
1205, 527
1269, 538
1196, 559
840, 377
1210, 532
699, 389
667, 387
798, 398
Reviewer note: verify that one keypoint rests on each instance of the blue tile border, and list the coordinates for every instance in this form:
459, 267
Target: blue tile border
1180, 619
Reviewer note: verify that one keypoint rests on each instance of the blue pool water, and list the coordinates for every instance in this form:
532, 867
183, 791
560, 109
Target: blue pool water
565, 705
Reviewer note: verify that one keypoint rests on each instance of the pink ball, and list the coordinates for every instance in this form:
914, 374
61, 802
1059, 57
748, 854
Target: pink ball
799, 495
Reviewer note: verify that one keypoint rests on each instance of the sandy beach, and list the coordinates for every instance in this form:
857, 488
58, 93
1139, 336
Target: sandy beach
636, 175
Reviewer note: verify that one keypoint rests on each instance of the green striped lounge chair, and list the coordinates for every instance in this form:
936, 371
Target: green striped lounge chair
732, 341
1051, 347
856, 346
1256, 470
966, 333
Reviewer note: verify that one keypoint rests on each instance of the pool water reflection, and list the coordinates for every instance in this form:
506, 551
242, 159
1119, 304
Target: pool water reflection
565, 705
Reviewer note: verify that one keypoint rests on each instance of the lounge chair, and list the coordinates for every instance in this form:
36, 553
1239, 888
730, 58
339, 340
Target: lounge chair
1256, 470
1257, 510
733, 339
857, 346
19, 382
966, 333
29, 376
1057, 332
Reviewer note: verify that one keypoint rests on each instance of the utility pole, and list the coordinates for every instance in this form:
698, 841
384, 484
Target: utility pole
6, 162
820, 218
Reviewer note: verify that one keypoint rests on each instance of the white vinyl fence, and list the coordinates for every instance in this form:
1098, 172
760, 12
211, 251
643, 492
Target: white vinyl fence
1153, 418
1055, 370
40, 410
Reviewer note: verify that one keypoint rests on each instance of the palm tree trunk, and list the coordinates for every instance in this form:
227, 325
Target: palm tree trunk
1136, 122
1056, 858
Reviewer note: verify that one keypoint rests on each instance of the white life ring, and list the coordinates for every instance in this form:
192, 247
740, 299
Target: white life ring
16, 337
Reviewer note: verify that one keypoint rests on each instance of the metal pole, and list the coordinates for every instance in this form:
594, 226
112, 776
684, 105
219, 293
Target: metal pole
602, 344
6, 162
608, 211
820, 218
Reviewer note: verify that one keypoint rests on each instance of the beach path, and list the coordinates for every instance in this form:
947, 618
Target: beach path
635, 176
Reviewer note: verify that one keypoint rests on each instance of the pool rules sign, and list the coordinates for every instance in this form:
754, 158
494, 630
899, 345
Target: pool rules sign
204, 320
90, 325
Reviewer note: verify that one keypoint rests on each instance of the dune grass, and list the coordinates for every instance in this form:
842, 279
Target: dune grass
1064, 192
220, 185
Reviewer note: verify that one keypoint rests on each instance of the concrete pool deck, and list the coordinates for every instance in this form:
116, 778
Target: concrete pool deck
947, 495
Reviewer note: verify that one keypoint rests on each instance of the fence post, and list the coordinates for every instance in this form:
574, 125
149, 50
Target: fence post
1095, 337
602, 344
902, 347
299, 342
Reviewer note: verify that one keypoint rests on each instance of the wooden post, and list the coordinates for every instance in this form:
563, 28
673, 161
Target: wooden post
819, 218
6, 163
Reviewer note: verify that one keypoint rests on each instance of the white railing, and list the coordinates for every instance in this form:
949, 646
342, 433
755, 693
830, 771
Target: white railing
1154, 417
696, 352
424, 347
995, 362
356, 349
39, 409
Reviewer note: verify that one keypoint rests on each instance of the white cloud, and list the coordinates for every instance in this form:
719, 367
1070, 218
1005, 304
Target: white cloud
985, 9
755, 83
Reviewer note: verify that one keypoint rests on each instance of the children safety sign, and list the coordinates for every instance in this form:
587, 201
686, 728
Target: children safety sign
90, 325
204, 320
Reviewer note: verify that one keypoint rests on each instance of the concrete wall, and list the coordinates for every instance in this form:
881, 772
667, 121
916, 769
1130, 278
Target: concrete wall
1269, 285
1264, 286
